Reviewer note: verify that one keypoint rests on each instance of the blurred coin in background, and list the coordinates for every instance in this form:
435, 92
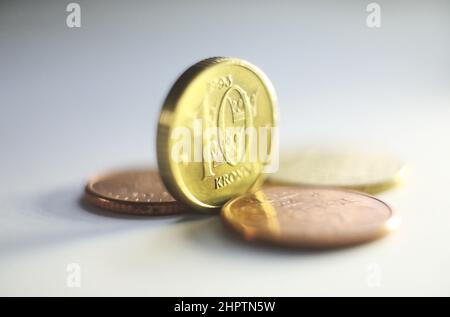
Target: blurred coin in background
365, 170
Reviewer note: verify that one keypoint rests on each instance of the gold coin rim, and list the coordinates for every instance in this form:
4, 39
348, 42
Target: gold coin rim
165, 122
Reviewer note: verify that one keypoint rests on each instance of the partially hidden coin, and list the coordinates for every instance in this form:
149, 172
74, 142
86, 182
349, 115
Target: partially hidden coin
371, 171
210, 127
309, 217
135, 191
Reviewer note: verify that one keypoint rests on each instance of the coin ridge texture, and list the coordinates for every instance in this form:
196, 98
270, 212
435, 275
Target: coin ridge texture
199, 95
308, 217
133, 191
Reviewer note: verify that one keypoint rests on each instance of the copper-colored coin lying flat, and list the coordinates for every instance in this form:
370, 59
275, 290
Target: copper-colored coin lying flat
138, 192
309, 217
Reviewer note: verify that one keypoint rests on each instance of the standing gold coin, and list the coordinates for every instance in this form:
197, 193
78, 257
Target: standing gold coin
139, 192
215, 122
309, 217
344, 167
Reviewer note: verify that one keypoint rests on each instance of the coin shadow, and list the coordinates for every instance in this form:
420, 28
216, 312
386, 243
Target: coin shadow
82, 203
60, 215
68, 204
214, 235
63, 204
204, 230
179, 218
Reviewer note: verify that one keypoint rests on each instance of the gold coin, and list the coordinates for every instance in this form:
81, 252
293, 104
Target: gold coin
309, 217
345, 167
214, 121
139, 192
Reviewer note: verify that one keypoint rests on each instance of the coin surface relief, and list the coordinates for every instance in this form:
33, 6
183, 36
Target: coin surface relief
132, 191
216, 120
309, 217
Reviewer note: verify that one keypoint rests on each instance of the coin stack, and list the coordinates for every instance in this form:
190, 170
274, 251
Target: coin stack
217, 141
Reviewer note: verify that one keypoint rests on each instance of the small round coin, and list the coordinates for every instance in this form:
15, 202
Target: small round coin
344, 167
309, 217
211, 125
137, 192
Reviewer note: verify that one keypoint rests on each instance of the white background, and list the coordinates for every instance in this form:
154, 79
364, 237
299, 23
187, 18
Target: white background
74, 102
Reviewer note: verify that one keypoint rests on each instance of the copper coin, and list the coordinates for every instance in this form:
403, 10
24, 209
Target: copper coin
309, 217
138, 192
